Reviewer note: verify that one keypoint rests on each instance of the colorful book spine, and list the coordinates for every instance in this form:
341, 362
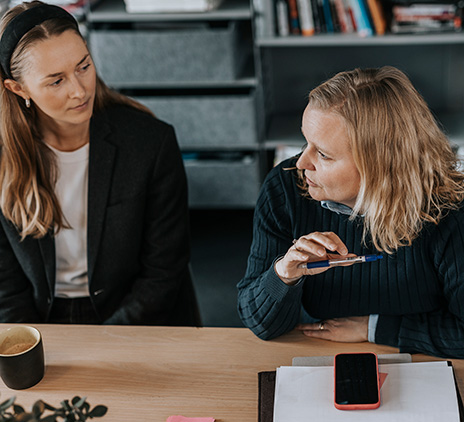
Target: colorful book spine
294, 18
378, 17
328, 16
363, 26
305, 14
343, 17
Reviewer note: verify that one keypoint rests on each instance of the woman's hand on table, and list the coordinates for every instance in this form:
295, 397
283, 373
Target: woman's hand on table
347, 330
312, 247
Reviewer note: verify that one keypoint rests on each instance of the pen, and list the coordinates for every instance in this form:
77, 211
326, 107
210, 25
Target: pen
339, 261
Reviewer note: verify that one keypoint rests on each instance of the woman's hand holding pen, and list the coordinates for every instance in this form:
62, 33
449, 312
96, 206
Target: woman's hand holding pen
308, 248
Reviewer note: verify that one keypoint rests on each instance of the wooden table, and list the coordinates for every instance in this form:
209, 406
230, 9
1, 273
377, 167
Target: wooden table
146, 374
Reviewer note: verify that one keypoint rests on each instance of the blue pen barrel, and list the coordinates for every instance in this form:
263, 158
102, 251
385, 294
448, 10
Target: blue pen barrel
317, 264
370, 258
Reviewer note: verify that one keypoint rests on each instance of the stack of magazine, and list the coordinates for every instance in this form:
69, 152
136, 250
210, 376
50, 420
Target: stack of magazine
170, 6
426, 18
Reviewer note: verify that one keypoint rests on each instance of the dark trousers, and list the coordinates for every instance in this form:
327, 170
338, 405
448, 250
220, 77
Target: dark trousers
73, 311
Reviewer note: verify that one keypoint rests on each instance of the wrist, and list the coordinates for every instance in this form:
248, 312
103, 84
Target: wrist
291, 281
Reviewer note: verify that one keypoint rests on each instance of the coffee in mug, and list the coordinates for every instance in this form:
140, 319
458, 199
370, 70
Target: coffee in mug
21, 357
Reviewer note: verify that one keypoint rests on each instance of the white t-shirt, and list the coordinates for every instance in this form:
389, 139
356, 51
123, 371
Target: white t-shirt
71, 244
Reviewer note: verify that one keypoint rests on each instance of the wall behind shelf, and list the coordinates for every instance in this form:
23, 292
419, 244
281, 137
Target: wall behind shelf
435, 70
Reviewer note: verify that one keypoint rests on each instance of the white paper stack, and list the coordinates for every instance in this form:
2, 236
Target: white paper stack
411, 392
170, 6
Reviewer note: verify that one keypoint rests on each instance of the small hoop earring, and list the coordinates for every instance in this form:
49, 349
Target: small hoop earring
28, 102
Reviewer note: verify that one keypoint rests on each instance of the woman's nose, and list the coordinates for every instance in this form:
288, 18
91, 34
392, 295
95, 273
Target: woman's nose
77, 89
305, 162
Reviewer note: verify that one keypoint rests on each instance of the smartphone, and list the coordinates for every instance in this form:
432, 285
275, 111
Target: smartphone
356, 381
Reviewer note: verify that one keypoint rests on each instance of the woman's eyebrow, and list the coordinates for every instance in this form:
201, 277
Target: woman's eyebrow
54, 75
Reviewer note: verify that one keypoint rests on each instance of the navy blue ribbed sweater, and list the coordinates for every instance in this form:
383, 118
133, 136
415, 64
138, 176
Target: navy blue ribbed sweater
418, 292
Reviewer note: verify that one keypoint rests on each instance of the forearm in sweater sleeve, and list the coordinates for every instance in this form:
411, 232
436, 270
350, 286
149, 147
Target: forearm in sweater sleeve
267, 305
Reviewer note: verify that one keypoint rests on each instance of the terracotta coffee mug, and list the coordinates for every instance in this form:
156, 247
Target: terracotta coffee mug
22, 362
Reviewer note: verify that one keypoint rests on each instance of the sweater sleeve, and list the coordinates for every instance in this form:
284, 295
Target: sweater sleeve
440, 332
267, 305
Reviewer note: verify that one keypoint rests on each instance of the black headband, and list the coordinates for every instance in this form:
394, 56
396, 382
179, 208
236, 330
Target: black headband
21, 24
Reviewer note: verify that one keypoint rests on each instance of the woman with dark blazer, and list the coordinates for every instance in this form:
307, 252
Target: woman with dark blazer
94, 214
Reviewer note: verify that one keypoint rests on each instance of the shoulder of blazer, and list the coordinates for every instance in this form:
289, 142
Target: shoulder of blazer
127, 122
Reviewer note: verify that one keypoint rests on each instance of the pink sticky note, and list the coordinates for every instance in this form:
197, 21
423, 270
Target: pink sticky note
382, 378
178, 418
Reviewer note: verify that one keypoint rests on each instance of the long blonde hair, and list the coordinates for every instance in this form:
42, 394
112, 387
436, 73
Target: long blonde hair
409, 172
27, 165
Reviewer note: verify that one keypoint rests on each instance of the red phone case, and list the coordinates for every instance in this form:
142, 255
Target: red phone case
357, 406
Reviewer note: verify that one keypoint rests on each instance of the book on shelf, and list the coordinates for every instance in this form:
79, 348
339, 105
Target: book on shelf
365, 17
344, 18
329, 26
318, 24
360, 13
282, 18
295, 28
305, 14
426, 18
378, 16
319, 5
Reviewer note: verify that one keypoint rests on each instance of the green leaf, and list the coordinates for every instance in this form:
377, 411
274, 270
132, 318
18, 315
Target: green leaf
65, 405
50, 418
38, 408
48, 406
18, 409
79, 402
7, 403
98, 411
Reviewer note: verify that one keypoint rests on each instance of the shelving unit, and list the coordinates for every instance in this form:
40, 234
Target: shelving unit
196, 71
234, 103
293, 65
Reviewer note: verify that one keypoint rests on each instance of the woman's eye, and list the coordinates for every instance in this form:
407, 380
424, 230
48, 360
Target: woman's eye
85, 67
57, 82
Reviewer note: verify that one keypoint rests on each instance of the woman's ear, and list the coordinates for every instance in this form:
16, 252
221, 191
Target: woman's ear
15, 87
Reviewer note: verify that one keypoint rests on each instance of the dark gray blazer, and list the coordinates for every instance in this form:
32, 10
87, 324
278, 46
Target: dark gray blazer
138, 232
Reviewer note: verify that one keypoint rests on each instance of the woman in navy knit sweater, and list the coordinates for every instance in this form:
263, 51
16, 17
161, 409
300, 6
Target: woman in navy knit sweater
377, 176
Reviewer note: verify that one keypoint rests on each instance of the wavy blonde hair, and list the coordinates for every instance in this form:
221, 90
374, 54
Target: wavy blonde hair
27, 165
409, 173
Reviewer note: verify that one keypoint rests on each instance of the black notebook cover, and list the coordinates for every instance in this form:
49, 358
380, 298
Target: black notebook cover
266, 386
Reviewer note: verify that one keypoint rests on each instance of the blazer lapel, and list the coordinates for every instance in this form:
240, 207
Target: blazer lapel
47, 250
101, 162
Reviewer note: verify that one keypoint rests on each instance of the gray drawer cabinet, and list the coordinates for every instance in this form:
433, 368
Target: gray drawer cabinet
223, 183
168, 55
207, 121
197, 72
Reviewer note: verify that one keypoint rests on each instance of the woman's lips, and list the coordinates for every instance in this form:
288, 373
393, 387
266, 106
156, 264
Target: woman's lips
311, 183
80, 106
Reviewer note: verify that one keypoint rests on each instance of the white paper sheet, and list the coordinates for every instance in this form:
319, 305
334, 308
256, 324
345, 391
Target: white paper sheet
411, 392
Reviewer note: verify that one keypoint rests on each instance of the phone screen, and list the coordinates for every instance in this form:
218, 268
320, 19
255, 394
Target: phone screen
356, 379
